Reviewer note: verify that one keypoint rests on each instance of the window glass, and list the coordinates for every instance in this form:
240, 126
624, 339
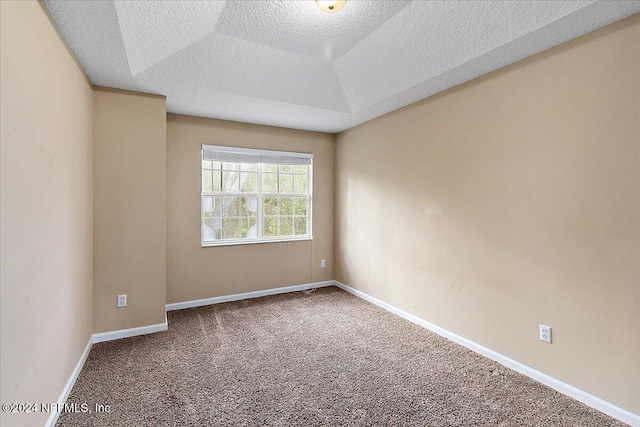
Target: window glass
250, 201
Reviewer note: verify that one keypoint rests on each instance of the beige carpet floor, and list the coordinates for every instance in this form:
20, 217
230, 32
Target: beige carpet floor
322, 358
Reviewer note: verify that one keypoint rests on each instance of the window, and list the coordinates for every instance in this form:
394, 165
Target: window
252, 196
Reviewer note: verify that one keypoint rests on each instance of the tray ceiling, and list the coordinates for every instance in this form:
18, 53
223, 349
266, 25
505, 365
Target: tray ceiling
289, 64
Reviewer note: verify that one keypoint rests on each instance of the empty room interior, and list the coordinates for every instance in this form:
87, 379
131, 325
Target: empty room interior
320, 213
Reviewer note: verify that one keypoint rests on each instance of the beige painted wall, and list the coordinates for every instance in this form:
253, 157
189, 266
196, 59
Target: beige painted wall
510, 201
194, 272
46, 212
129, 165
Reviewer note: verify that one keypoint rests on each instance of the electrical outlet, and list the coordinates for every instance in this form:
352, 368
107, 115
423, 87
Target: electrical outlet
545, 333
322, 263
122, 300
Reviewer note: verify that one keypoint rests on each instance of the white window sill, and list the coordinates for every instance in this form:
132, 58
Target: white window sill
251, 242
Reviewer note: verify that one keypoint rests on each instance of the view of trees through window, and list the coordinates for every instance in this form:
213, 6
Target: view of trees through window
254, 201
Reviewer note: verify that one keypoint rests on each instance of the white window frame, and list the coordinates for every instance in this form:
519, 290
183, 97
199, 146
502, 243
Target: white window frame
260, 196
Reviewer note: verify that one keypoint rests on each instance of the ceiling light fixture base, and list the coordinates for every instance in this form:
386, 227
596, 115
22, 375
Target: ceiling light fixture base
331, 5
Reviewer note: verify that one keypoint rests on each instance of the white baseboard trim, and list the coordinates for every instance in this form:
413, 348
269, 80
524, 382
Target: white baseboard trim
247, 295
131, 332
53, 418
143, 330
564, 388
96, 338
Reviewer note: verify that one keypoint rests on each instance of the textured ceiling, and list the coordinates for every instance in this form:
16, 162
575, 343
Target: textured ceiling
289, 64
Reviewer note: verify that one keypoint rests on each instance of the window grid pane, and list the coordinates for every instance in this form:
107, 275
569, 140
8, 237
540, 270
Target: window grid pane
217, 181
206, 181
248, 182
230, 166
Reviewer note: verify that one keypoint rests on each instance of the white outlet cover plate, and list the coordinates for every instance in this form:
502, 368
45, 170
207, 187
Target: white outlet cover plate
122, 300
545, 333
